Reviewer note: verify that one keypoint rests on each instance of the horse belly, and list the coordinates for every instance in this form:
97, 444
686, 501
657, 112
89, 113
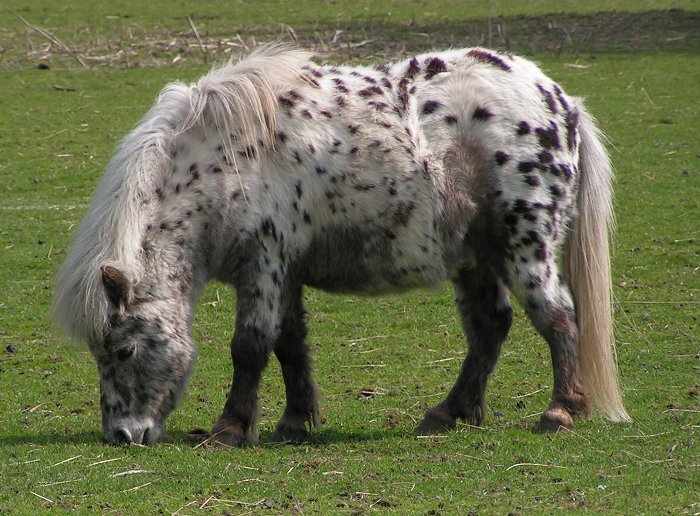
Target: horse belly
364, 261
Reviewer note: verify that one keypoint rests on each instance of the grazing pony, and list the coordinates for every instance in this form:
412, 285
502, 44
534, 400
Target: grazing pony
274, 172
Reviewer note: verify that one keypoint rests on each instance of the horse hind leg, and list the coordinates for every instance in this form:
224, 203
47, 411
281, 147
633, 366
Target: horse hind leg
292, 352
486, 315
548, 303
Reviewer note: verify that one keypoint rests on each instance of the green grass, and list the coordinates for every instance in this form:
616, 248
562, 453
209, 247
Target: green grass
406, 349
239, 14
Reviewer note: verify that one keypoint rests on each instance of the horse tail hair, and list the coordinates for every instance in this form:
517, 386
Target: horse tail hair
587, 268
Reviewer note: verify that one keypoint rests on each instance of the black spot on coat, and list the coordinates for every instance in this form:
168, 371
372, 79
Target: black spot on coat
286, 101
368, 92
481, 113
434, 66
488, 57
523, 128
548, 137
526, 166
532, 180
548, 98
430, 106
340, 85
571, 122
501, 157
413, 68
545, 157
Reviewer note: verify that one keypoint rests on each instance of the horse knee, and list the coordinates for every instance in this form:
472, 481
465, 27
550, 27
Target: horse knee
502, 320
250, 349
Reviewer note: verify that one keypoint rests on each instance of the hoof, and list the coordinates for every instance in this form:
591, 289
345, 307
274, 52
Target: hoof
198, 435
226, 433
476, 414
437, 420
289, 435
554, 419
291, 430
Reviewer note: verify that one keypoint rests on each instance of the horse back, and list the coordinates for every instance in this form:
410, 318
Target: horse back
386, 178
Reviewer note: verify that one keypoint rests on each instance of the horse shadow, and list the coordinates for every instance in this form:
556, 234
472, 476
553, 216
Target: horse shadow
318, 438
49, 439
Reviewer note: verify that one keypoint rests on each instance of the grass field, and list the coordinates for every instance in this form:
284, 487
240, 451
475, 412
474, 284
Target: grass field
379, 362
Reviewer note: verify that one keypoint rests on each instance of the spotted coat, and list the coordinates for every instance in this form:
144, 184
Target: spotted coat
278, 172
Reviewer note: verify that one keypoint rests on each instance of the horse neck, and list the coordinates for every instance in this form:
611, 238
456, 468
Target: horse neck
174, 265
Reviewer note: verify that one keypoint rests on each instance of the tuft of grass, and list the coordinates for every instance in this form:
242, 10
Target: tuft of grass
379, 362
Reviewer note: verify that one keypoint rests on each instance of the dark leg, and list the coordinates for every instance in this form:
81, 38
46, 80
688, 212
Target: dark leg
292, 353
258, 310
486, 316
238, 424
548, 304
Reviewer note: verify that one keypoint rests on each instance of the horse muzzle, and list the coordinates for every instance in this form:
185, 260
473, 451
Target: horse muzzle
133, 432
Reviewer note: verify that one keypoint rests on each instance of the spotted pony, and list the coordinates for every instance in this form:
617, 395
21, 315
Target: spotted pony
275, 172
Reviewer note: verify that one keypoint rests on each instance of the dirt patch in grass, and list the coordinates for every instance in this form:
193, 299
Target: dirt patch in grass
208, 41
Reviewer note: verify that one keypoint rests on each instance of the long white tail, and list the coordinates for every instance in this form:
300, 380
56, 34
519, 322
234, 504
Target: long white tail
587, 266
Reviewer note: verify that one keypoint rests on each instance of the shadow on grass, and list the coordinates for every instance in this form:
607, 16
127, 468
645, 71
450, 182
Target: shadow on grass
51, 439
318, 438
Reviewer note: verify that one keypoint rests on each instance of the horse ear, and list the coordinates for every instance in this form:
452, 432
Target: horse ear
117, 285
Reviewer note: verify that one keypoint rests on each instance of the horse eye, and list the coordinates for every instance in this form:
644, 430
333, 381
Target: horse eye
125, 352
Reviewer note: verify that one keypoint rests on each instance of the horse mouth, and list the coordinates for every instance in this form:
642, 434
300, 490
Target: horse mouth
123, 435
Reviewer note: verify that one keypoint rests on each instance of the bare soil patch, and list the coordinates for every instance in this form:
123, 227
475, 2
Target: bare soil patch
207, 42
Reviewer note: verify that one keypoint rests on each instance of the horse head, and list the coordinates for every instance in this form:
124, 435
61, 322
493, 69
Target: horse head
144, 358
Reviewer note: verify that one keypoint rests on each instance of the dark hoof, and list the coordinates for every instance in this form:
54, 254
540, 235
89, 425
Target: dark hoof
476, 414
226, 433
437, 420
291, 430
555, 419
198, 435
289, 435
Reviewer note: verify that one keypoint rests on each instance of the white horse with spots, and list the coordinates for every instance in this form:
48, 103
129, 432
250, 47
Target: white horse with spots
274, 173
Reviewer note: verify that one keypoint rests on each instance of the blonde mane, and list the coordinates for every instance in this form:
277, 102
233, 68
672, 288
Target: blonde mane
236, 98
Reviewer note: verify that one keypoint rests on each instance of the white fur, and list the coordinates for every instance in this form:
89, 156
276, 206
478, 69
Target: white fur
111, 233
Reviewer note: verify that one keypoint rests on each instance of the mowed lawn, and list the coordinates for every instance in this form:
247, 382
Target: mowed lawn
379, 362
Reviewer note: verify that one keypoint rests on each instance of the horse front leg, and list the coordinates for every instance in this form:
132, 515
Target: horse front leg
238, 423
486, 317
293, 355
257, 328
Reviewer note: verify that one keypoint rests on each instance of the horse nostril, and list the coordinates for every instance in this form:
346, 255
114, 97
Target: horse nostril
146, 439
122, 436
